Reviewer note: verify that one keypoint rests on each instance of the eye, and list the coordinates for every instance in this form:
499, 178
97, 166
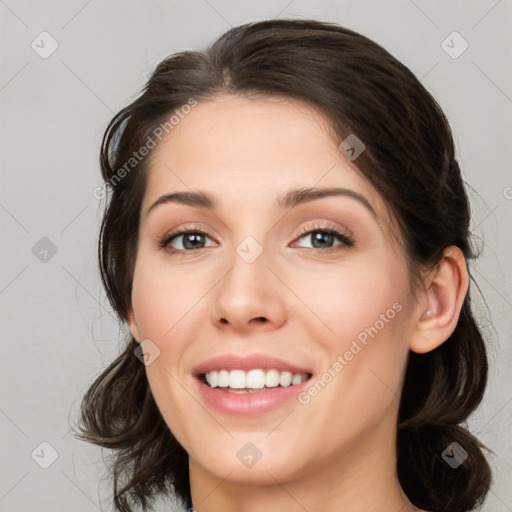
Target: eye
323, 237
192, 239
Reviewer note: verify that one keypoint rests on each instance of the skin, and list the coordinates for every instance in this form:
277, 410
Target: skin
336, 452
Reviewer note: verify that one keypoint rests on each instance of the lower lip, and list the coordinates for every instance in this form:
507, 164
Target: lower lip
249, 404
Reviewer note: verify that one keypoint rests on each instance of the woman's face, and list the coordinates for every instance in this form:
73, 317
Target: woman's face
263, 277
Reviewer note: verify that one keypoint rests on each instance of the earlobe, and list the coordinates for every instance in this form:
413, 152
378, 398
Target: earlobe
444, 296
132, 324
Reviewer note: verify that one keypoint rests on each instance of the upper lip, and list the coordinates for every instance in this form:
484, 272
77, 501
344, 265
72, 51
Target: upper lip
246, 363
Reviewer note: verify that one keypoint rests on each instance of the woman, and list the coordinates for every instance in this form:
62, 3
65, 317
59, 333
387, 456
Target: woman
287, 239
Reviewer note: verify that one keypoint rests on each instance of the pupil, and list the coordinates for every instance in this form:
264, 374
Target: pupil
192, 236
319, 236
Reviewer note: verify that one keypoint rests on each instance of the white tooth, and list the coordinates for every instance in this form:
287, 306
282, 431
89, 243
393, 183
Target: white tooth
285, 379
237, 379
297, 379
223, 379
253, 379
272, 379
256, 379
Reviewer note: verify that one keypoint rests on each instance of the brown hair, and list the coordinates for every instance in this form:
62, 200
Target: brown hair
409, 158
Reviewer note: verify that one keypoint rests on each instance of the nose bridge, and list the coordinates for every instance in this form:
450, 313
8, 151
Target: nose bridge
250, 249
248, 267
250, 238
246, 292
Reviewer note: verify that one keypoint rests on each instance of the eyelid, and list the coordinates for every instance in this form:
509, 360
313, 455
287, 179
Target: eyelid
182, 230
344, 235
318, 226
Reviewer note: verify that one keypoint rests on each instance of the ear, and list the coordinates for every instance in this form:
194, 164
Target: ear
439, 307
132, 323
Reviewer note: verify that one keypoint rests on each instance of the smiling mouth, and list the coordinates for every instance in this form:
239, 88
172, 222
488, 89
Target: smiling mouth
252, 381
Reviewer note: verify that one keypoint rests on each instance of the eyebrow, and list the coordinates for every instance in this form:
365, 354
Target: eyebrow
290, 199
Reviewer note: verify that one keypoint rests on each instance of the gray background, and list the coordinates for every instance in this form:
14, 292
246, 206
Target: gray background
58, 330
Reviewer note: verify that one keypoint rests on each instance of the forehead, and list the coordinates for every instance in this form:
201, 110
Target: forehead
229, 129
245, 150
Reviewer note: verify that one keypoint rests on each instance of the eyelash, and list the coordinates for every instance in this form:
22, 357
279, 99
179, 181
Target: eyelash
345, 239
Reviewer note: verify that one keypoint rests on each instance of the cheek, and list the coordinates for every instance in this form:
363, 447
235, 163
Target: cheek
364, 337
347, 299
162, 298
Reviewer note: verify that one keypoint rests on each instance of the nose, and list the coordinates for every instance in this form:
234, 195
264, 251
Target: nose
249, 296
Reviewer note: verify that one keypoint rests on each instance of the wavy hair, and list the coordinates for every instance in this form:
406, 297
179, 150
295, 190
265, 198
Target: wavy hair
409, 158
